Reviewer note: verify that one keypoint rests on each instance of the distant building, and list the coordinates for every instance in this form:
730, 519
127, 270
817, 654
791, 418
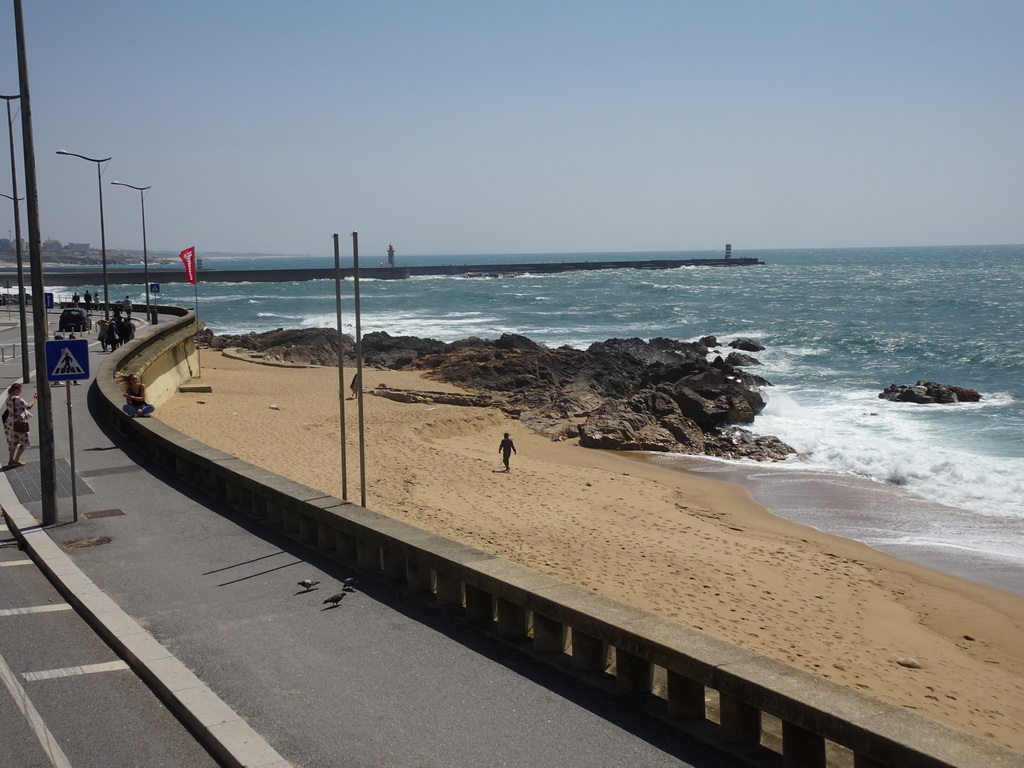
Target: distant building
53, 246
81, 248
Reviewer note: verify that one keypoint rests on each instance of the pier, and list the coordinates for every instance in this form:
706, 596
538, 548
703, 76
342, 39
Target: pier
123, 276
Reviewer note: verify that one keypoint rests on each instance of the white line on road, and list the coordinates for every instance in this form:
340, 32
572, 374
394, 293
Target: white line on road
34, 609
86, 669
57, 757
26, 561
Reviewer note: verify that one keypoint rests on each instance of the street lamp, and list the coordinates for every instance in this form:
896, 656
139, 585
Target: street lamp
17, 248
103, 234
145, 253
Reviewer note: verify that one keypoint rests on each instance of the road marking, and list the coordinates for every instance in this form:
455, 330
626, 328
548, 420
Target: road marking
49, 744
87, 669
34, 609
26, 561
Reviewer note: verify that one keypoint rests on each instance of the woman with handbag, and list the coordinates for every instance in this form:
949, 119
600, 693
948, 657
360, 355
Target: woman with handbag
16, 424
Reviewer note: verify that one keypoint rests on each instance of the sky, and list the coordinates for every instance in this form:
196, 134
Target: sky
467, 127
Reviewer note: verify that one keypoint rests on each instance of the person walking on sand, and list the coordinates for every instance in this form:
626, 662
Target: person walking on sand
16, 425
356, 385
506, 449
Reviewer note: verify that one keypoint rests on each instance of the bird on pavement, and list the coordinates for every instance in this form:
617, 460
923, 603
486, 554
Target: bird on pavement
348, 585
308, 584
335, 599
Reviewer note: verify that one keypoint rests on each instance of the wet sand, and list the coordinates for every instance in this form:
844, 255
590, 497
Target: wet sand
678, 544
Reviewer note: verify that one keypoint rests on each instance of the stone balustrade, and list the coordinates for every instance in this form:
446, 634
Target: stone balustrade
735, 696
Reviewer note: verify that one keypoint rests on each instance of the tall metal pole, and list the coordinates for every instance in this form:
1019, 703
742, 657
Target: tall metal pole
341, 367
145, 252
103, 232
359, 367
40, 325
25, 373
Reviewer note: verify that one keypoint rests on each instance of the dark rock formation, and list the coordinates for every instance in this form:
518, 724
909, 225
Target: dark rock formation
622, 394
739, 359
928, 392
746, 345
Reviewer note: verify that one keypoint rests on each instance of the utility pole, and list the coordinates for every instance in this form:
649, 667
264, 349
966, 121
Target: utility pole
40, 325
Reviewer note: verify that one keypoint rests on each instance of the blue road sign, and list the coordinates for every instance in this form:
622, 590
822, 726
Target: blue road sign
67, 359
48, 300
154, 287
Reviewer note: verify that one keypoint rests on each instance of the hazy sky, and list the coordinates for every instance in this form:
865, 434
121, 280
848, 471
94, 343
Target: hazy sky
525, 127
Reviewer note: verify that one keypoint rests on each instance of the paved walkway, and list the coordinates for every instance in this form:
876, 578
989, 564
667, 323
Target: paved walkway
379, 680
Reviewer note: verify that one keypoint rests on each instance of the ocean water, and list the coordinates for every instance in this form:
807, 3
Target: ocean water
839, 325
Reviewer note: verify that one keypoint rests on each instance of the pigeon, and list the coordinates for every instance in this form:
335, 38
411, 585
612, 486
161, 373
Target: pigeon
348, 585
308, 584
335, 599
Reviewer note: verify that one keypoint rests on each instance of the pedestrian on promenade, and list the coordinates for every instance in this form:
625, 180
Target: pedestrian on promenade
135, 398
111, 334
74, 298
127, 304
88, 302
506, 449
16, 425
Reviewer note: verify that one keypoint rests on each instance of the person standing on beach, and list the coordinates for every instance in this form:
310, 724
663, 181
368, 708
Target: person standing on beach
355, 386
16, 426
506, 449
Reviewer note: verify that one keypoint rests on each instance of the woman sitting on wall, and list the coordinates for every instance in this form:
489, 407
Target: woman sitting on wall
135, 398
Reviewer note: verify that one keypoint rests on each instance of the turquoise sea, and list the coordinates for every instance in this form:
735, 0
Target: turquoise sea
932, 483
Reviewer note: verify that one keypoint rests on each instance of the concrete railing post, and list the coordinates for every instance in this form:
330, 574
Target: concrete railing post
307, 529
740, 722
589, 654
511, 619
801, 748
393, 564
290, 519
418, 577
275, 515
325, 537
449, 589
479, 605
685, 697
367, 555
347, 547
548, 635
632, 674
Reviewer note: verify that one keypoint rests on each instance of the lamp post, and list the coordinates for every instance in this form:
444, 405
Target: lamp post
145, 253
103, 234
25, 371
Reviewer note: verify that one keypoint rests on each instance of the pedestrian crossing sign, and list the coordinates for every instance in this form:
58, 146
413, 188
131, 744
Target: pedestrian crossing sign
67, 359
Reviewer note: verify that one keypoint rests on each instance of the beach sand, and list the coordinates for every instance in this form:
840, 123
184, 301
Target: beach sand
679, 545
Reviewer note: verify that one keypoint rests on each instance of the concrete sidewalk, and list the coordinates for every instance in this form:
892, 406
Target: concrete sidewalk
206, 605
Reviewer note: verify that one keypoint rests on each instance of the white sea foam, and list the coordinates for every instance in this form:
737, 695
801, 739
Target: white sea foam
851, 433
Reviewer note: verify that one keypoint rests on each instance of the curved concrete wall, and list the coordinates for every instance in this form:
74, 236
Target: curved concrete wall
659, 664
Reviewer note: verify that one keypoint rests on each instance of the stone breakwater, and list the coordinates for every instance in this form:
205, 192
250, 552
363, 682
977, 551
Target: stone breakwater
619, 394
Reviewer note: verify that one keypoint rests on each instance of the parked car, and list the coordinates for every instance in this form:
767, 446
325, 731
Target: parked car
74, 319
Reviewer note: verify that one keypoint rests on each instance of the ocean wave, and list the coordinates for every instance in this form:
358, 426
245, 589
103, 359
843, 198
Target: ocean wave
904, 446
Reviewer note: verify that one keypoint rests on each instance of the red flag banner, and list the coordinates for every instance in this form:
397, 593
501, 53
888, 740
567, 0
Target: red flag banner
188, 257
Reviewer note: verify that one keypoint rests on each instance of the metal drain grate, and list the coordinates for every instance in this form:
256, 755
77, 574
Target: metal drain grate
103, 513
89, 541
25, 482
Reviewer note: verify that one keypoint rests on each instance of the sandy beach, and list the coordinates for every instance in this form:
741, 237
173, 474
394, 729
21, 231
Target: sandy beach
680, 545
